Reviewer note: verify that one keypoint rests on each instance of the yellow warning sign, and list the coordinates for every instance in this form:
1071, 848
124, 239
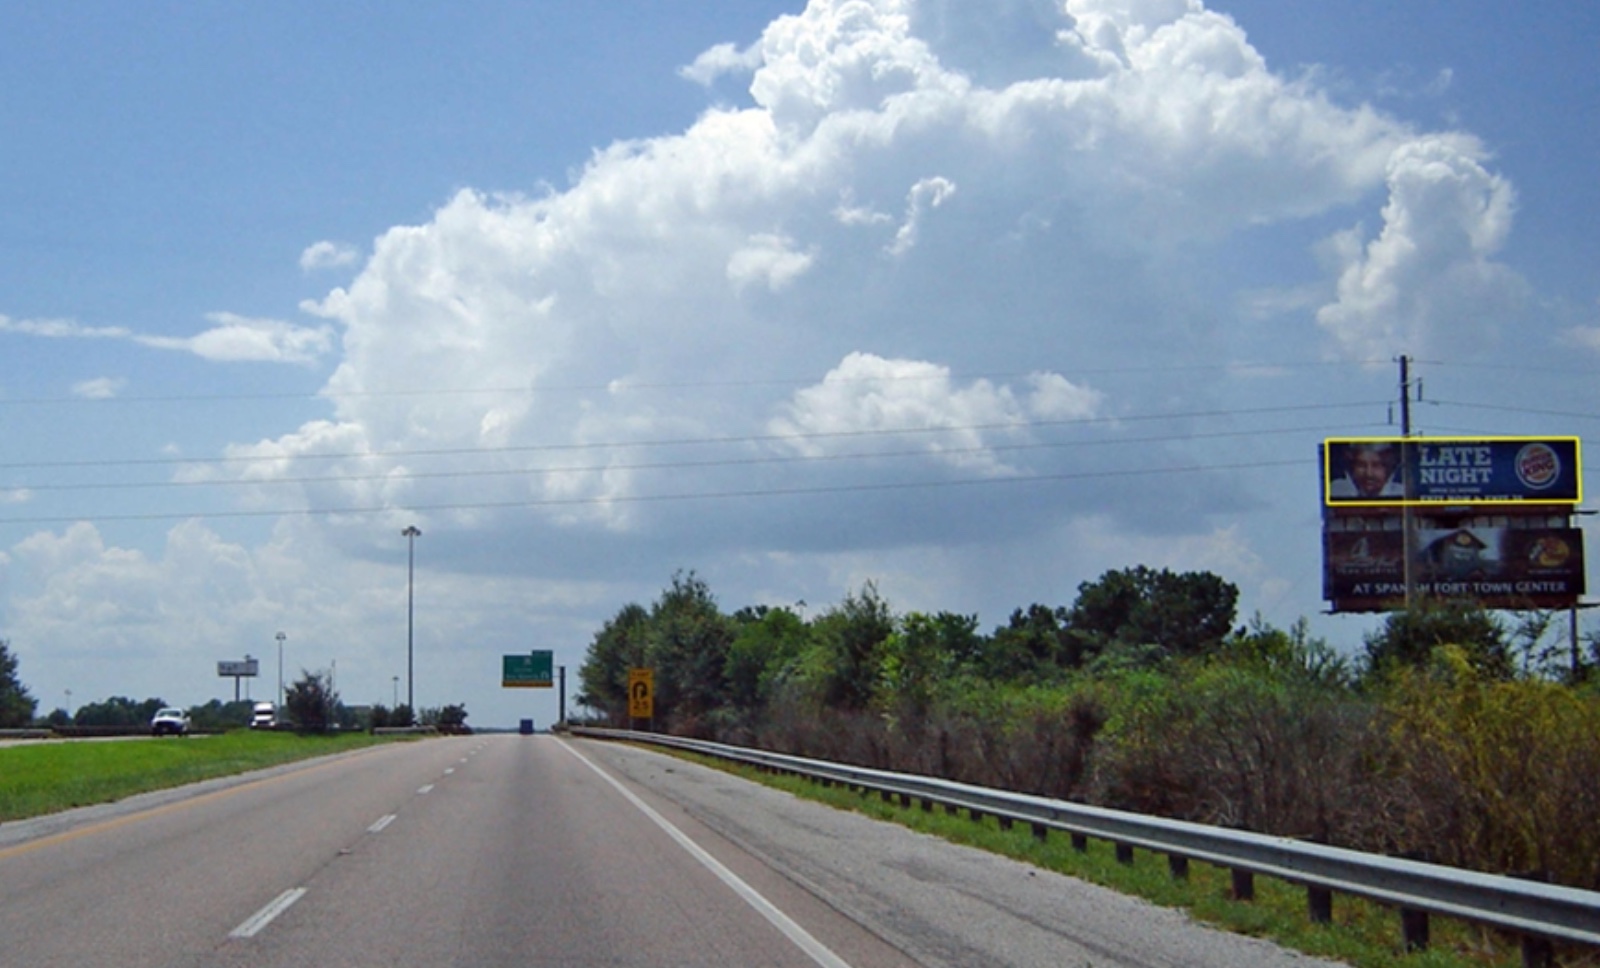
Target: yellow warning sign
641, 693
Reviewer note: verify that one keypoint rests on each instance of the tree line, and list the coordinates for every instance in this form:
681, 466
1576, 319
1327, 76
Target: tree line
1451, 734
311, 704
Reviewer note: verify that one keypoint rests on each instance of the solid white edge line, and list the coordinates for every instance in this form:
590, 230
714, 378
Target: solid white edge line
818, 952
265, 916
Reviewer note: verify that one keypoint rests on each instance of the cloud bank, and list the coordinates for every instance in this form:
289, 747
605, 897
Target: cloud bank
784, 344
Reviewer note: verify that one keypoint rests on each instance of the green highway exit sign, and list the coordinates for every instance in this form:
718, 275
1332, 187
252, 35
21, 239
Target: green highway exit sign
532, 671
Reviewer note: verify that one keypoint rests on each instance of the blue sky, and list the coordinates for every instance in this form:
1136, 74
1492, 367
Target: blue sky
974, 305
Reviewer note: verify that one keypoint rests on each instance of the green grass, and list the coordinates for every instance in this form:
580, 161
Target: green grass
48, 776
1363, 934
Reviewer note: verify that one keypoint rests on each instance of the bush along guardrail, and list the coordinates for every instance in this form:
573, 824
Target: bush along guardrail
1539, 913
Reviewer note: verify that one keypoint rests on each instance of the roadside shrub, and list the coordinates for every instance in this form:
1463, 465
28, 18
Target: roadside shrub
1236, 746
1493, 775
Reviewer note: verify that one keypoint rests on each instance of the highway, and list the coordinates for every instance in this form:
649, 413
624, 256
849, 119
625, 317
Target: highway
505, 850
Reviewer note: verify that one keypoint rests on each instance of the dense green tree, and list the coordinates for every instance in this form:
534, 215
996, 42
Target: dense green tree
844, 662
1409, 637
620, 645
1031, 643
688, 642
1180, 614
402, 716
921, 652
118, 711
217, 714
16, 706
766, 643
447, 717
311, 702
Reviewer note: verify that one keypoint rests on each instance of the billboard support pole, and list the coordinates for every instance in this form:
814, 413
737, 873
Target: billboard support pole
1577, 654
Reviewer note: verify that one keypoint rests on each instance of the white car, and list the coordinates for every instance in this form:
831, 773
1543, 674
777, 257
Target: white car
170, 721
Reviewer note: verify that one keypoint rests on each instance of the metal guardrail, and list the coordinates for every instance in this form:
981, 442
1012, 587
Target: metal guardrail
1539, 912
25, 734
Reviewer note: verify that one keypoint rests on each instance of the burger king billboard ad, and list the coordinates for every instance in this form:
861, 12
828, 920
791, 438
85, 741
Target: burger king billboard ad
1379, 471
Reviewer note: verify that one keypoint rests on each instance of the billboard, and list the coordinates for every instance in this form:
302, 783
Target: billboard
231, 667
1368, 472
1498, 567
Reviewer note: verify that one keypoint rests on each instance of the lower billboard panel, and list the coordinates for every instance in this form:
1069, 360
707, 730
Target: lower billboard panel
1498, 567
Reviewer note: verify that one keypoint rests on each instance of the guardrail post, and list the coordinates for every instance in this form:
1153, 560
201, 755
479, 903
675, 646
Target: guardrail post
951, 809
1005, 821
1537, 952
1319, 905
1124, 853
1414, 929
1080, 842
974, 814
1041, 832
927, 805
1413, 922
1178, 866
1244, 885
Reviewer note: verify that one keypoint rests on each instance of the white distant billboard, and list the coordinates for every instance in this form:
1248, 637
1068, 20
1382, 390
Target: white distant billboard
238, 668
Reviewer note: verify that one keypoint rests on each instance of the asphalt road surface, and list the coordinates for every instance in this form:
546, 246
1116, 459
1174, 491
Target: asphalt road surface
506, 850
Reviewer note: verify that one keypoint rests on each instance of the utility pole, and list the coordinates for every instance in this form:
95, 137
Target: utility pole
1408, 486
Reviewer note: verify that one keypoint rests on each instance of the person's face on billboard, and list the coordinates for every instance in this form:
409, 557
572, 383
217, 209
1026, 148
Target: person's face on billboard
1370, 468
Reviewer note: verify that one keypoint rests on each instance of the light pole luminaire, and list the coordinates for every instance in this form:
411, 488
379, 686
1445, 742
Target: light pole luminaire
411, 534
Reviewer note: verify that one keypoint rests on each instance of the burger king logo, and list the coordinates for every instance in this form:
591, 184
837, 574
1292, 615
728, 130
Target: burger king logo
1538, 466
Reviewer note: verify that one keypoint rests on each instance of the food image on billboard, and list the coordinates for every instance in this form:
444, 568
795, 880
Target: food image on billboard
1376, 471
1498, 567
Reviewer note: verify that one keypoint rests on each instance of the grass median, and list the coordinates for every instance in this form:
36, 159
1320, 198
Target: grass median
49, 776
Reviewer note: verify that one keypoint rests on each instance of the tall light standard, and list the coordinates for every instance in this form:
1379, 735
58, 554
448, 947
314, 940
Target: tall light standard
411, 535
281, 637
396, 691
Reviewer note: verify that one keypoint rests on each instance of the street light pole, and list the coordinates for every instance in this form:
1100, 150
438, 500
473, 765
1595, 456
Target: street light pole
281, 637
411, 534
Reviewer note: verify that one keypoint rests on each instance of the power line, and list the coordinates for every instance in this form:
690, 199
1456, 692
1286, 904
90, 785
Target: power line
624, 385
691, 441
1520, 410
667, 465
663, 498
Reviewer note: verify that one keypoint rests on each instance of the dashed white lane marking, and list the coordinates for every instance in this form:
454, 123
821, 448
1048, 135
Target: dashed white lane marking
818, 952
381, 823
265, 916
425, 789
449, 770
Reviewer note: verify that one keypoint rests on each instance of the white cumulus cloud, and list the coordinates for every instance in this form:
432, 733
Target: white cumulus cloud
328, 255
